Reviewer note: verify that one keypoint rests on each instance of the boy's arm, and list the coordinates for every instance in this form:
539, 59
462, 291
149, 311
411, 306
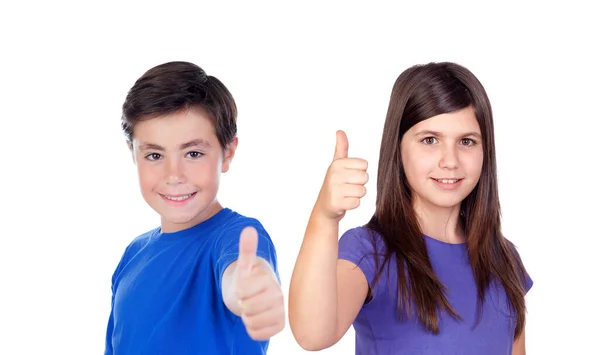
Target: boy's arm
250, 287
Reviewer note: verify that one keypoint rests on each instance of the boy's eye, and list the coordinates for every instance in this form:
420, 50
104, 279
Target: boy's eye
195, 155
429, 140
153, 156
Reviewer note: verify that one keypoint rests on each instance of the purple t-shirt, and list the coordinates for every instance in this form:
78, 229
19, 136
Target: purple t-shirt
379, 330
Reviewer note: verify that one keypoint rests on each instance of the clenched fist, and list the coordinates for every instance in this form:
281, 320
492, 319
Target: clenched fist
344, 183
257, 290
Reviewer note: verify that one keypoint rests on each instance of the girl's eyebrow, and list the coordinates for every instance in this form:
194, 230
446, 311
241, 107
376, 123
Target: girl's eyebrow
440, 134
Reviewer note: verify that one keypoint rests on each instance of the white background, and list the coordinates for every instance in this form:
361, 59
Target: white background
70, 200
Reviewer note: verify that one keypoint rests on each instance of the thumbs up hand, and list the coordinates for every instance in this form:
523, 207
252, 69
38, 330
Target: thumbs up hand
344, 183
257, 290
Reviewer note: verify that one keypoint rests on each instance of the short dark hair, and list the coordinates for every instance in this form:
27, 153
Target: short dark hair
175, 86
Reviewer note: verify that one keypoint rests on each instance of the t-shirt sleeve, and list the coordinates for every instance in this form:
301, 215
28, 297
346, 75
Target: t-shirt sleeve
227, 248
527, 281
356, 246
125, 257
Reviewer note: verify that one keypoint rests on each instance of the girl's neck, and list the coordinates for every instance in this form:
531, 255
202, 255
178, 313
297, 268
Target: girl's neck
440, 223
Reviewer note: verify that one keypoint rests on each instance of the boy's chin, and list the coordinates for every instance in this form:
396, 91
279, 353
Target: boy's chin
180, 218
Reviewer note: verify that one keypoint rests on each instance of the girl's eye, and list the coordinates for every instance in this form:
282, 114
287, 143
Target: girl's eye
429, 140
467, 141
153, 156
195, 155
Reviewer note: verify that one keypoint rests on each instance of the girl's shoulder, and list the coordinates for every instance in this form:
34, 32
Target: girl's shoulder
361, 242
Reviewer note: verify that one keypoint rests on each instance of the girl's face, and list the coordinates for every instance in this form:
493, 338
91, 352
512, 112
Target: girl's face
443, 158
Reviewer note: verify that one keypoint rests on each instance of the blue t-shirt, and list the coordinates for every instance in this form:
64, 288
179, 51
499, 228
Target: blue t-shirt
166, 291
379, 330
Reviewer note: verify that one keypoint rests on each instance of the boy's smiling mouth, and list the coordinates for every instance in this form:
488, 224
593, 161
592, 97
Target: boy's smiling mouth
178, 198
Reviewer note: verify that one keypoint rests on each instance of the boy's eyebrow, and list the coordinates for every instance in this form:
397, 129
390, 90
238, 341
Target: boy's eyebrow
440, 134
150, 146
195, 143
192, 143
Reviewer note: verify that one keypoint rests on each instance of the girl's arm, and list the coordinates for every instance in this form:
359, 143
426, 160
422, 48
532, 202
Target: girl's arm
326, 294
519, 345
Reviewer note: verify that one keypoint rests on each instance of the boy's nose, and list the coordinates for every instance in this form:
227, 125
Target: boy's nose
173, 180
174, 173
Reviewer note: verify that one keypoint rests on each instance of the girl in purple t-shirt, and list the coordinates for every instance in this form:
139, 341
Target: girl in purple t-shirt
431, 273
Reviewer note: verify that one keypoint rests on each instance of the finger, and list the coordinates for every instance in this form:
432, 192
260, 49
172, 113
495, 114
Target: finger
263, 301
266, 324
341, 145
356, 191
248, 246
351, 163
350, 203
253, 284
355, 177
266, 333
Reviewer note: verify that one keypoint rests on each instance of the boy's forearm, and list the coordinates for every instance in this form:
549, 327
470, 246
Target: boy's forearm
314, 314
228, 289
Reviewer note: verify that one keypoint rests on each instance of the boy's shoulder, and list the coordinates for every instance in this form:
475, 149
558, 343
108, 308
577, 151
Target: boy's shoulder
230, 223
237, 218
237, 221
140, 241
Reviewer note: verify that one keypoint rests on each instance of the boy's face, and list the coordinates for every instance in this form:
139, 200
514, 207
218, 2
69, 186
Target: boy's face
179, 161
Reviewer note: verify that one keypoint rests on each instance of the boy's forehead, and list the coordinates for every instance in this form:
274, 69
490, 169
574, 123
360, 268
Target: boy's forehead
193, 143
176, 129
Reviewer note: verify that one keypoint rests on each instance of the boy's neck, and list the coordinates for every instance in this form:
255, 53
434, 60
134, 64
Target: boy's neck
440, 223
207, 213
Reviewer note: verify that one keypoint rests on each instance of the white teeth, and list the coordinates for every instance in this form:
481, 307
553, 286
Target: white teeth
179, 198
448, 181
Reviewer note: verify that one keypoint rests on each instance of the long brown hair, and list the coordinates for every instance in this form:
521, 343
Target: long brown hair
421, 92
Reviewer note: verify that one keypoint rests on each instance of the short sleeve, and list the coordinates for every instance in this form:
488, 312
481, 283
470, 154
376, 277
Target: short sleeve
527, 280
125, 257
356, 246
226, 248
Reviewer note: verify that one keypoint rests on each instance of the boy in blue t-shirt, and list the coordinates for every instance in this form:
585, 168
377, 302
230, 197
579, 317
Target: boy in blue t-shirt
202, 282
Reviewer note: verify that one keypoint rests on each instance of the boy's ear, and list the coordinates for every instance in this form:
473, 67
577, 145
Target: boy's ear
130, 147
228, 155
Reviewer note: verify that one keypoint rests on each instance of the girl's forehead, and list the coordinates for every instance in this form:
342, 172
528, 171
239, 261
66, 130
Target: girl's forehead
458, 122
